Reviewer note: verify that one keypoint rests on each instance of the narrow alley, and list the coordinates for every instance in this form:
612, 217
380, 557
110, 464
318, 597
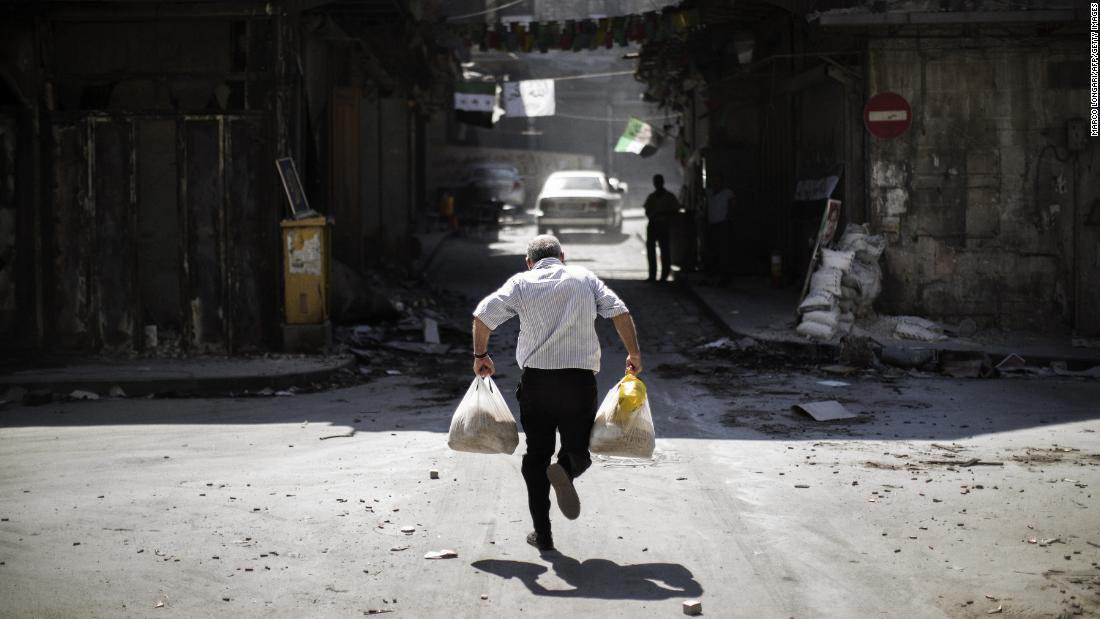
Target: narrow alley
243, 244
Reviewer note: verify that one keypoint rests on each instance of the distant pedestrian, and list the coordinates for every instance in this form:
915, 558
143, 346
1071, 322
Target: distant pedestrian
720, 204
557, 306
660, 207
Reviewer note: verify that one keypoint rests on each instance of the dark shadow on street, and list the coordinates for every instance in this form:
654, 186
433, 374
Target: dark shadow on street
600, 578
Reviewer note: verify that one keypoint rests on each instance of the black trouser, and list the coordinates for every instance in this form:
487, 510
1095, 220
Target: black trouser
553, 401
658, 232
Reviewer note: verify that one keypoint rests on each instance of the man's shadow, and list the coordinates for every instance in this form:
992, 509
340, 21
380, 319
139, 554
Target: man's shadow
600, 578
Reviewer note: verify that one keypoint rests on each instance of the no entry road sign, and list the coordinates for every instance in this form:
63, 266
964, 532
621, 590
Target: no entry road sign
887, 115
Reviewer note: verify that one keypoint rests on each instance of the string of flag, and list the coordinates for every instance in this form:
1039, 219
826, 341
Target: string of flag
578, 34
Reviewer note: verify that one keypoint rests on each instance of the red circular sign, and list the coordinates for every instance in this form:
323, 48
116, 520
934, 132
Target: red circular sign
887, 115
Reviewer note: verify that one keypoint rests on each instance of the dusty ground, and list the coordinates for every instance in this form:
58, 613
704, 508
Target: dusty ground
267, 507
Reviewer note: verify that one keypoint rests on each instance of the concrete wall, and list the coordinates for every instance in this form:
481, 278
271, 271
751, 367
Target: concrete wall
979, 197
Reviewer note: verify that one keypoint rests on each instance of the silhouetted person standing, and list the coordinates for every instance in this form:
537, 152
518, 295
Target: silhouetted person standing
660, 207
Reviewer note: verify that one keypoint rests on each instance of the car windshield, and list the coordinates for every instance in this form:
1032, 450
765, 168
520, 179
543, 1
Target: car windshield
580, 183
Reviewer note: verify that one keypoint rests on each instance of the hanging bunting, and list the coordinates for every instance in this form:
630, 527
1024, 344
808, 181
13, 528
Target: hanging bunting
577, 35
529, 98
618, 30
526, 38
476, 103
638, 138
568, 33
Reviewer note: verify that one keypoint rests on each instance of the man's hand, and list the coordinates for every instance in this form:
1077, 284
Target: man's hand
484, 366
634, 364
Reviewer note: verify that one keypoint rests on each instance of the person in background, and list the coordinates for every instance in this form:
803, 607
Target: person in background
720, 204
558, 350
660, 207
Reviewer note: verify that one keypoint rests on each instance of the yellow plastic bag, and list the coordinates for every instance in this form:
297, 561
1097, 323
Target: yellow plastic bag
631, 397
617, 432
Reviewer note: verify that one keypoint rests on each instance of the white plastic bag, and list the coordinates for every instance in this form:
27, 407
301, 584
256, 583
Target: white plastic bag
612, 435
482, 423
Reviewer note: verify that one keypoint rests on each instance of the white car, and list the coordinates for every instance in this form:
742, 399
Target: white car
580, 199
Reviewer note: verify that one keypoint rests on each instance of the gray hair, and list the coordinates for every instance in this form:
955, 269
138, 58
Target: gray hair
543, 246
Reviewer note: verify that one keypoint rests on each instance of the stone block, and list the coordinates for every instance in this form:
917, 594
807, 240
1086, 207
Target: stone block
983, 212
983, 162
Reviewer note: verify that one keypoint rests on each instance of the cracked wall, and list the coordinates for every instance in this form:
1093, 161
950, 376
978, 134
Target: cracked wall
979, 197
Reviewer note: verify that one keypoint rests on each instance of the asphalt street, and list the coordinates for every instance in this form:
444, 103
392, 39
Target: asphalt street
942, 498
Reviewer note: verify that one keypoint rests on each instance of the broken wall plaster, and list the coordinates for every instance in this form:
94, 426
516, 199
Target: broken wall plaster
973, 144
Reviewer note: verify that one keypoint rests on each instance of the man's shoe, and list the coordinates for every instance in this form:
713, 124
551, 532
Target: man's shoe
542, 542
568, 501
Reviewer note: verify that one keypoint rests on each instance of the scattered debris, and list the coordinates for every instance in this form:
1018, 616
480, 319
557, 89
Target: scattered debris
116, 392
833, 383
418, 347
965, 463
824, 411
441, 554
1011, 362
801, 486
433, 474
840, 370
345, 435
916, 328
393, 372
408, 530
908, 358
484, 596
80, 394
398, 548
693, 607
996, 610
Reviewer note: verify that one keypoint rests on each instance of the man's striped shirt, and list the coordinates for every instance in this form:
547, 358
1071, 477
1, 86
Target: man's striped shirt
557, 307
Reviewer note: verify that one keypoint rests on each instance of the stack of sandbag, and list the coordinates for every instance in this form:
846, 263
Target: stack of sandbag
844, 286
827, 310
863, 280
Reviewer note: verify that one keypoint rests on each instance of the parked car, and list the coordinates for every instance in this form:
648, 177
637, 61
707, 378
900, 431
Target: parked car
490, 193
580, 199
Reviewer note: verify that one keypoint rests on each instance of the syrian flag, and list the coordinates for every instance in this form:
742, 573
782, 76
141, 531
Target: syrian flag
638, 138
477, 103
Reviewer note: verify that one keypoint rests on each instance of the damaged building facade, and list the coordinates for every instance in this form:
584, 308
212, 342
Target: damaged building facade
990, 200
137, 147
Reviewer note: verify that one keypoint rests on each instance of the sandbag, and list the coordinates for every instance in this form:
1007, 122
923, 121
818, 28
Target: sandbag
826, 280
482, 422
833, 259
815, 330
617, 432
817, 301
829, 319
